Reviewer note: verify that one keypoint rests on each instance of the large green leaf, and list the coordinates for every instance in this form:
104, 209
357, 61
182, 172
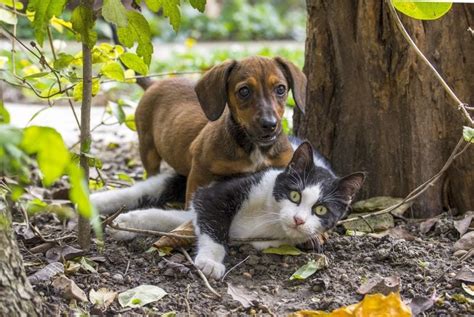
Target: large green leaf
283, 250
113, 70
83, 22
44, 11
171, 9
77, 91
9, 3
310, 268
4, 114
134, 62
114, 12
137, 30
422, 10
198, 4
51, 153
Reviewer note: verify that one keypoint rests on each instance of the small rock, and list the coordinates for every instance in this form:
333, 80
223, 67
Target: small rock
460, 253
106, 274
285, 265
253, 260
418, 277
128, 279
451, 274
265, 288
117, 277
367, 259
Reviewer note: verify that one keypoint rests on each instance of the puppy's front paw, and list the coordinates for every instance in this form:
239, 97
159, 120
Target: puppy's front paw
210, 267
124, 220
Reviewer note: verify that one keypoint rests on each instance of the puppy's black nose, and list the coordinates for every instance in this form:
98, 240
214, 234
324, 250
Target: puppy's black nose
268, 124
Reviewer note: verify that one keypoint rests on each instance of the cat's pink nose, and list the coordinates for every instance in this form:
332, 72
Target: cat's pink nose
298, 221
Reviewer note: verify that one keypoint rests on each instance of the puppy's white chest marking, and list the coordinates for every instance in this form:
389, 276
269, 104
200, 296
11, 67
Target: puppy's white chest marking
258, 159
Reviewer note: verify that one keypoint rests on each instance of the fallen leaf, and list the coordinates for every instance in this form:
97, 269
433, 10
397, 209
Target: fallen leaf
462, 225
241, 295
185, 229
46, 273
371, 305
465, 275
381, 285
62, 253
460, 298
102, 298
71, 267
310, 268
377, 223
420, 304
140, 296
379, 203
283, 250
169, 314
87, 264
69, 289
395, 233
466, 242
469, 289
428, 224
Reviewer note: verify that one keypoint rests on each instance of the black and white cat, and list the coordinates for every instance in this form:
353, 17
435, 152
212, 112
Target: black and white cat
286, 206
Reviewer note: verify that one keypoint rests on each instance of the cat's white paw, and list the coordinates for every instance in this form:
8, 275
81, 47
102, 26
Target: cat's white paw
209, 267
124, 220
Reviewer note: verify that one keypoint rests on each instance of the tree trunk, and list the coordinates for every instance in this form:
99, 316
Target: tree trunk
17, 297
374, 106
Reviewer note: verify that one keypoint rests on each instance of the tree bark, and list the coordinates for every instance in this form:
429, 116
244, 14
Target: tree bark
17, 297
373, 105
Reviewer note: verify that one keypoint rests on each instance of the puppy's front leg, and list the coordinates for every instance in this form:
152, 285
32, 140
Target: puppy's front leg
197, 177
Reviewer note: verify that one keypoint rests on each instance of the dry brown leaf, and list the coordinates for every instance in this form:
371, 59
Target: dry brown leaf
466, 242
62, 253
428, 224
241, 295
396, 233
372, 305
186, 229
463, 224
69, 289
420, 304
466, 274
381, 285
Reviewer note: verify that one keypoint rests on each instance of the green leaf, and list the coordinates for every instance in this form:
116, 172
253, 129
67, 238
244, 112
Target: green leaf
125, 177
283, 250
113, 70
198, 4
422, 10
87, 264
9, 3
36, 75
77, 91
44, 11
63, 61
141, 295
310, 268
130, 122
134, 62
137, 31
51, 152
171, 11
5, 115
114, 12
468, 134
83, 22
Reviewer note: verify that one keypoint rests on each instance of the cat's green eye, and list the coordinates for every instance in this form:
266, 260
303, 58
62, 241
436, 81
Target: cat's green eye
295, 196
320, 210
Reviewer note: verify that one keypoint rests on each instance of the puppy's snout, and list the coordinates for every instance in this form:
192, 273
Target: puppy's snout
268, 124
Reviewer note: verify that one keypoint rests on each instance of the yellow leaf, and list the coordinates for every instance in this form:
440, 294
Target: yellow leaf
373, 305
60, 24
189, 42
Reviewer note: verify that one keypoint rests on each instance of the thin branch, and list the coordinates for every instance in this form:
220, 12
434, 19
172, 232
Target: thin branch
232, 268
206, 282
151, 232
401, 27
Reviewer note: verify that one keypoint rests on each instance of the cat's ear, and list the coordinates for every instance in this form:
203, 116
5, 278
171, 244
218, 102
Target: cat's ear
350, 185
302, 158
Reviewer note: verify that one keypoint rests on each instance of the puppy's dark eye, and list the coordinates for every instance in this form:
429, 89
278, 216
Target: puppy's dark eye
244, 92
280, 90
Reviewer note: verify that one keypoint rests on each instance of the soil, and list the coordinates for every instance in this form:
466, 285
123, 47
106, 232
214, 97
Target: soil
424, 265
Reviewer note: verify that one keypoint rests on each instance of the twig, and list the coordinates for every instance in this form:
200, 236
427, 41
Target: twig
401, 27
228, 271
107, 221
188, 307
206, 282
128, 266
152, 232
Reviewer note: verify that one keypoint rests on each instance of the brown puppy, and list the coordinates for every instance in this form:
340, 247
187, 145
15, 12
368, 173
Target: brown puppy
188, 125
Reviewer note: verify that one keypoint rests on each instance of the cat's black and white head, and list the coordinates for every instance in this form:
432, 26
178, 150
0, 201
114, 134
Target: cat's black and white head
310, 198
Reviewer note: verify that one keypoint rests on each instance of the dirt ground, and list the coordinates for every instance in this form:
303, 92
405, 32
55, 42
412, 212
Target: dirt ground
424, 265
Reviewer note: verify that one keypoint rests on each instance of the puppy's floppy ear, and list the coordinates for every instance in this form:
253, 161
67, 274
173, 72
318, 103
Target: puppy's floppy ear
302, 159
211, 89
297, 80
